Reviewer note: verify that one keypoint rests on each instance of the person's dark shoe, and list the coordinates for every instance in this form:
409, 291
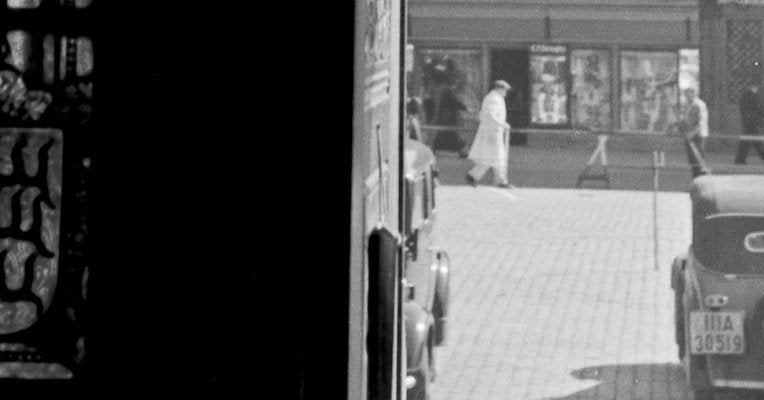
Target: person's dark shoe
506, 186
740, 162
471, 180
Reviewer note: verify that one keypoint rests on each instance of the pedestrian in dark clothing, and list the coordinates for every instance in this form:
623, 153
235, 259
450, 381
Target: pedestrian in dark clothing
448, 114
751, 116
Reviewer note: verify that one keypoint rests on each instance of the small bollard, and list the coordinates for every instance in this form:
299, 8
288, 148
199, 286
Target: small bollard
659, 160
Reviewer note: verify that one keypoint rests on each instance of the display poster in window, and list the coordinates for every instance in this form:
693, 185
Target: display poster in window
590, 89
549, 95
649, 92
448, 84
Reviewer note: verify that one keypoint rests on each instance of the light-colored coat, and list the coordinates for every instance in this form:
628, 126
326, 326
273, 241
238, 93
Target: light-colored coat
697, 118
489, 146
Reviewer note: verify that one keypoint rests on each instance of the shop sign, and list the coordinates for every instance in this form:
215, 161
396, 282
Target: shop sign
543, 48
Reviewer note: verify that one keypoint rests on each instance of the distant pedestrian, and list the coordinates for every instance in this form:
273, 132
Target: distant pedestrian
696, 131
751, 116
413, 126
491, 145
449, 112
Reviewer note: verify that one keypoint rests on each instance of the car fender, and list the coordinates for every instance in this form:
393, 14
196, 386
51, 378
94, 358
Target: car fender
442, 285
441, 296
418, 322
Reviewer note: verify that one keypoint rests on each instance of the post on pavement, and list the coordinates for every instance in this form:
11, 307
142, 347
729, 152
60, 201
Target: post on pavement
659, 160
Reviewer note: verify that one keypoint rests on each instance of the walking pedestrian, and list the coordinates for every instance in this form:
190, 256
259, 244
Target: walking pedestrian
449, 112
491, 145
696, 131
751, 116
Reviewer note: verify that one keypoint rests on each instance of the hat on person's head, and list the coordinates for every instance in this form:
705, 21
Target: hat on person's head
501, 84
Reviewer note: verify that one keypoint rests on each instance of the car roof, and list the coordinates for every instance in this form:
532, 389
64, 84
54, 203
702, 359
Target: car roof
733, 194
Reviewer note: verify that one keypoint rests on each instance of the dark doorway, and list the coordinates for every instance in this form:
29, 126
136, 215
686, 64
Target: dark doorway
513, 67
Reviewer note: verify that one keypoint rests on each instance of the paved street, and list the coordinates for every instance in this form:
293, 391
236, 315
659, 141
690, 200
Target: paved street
555, 295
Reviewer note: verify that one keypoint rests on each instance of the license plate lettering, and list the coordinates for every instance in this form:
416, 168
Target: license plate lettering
717, 344
714, 322
716, 332
721, 340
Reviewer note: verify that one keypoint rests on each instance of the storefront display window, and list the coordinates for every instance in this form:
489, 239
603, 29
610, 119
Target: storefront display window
649, 91
549, 95
689, 70
449, 86
590, 89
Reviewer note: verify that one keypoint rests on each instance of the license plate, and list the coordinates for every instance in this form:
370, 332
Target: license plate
716, 332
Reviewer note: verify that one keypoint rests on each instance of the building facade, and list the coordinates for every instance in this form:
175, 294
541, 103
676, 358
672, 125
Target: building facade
573, 64
732, 35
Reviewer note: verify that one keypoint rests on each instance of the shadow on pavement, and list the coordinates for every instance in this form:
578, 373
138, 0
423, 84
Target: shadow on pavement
631, 382
641, 382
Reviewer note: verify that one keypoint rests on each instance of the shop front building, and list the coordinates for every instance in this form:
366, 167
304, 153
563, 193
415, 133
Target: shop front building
732, 33
573, 65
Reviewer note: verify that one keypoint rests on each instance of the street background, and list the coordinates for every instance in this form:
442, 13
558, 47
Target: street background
556, 161
555, 294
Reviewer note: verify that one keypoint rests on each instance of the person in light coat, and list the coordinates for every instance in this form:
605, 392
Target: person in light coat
491, 145
696, 122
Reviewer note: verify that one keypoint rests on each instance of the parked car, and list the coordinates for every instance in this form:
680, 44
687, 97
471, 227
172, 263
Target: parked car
719, 288
426, 271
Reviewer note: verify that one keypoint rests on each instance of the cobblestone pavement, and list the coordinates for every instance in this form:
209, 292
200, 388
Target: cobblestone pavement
555, 294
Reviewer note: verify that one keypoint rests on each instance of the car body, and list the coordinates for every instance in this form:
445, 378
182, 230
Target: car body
426, 271
719, 288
